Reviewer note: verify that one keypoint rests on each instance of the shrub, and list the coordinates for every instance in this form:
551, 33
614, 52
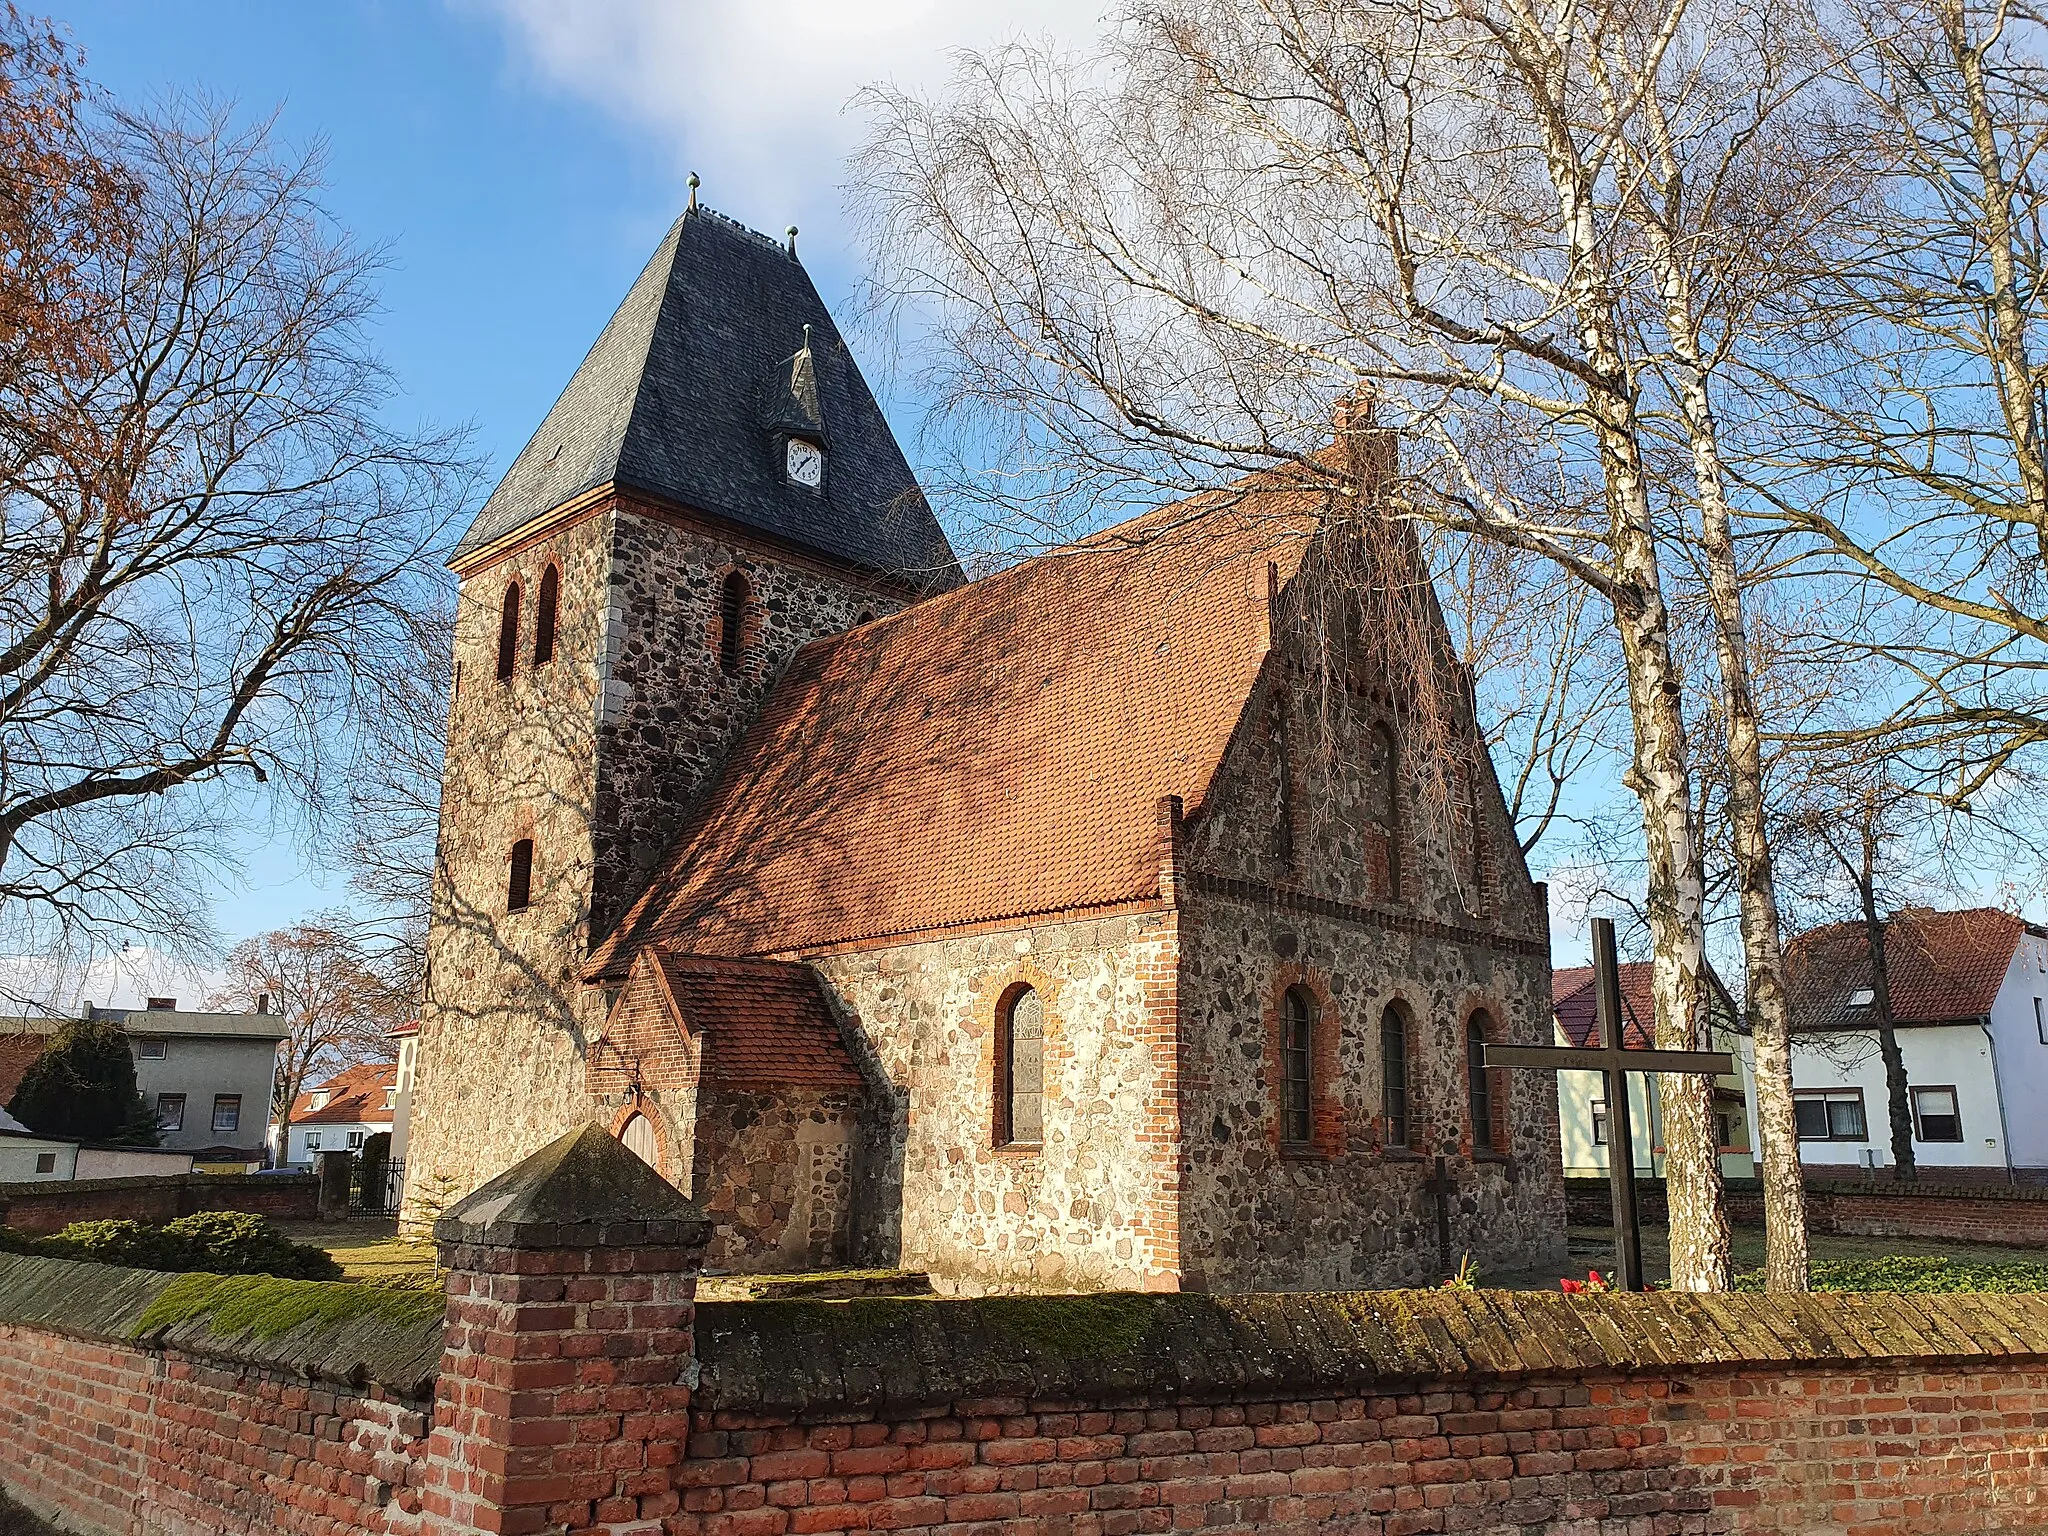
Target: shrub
82, 1088
212, 1242
1920, 1273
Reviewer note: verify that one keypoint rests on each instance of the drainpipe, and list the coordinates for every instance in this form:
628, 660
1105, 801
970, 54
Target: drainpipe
2005, 1136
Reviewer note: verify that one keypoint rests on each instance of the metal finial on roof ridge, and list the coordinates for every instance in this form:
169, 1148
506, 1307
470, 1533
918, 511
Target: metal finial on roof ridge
807, 336
791, 232
694, 184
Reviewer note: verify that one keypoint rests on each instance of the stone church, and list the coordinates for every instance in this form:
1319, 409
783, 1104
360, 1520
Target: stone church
1080, 926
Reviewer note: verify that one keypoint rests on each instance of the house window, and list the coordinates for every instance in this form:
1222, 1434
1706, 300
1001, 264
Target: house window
1394, 1079
1297, 1031
732, 620
46, 1162
1021, 1046
1829, 1114
1599, 1122
312, 1141
508, 633
1724, 1130
355, 1141
227, 1111
544, 616
519, 888
2040, 1022
157, 1050
1935, 1115
1479, 1083
170, 1111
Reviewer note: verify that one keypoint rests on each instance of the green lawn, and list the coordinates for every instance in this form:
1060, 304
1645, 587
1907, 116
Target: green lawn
370, 1251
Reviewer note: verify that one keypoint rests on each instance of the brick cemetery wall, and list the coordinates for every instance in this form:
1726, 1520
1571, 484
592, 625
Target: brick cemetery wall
49, 1207
576, 1387
1934, 1209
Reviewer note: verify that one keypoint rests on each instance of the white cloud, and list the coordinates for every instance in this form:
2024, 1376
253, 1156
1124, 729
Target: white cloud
752, 94
126, 979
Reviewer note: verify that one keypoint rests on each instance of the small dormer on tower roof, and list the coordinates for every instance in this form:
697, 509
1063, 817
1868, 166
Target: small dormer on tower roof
790, 402
669, 403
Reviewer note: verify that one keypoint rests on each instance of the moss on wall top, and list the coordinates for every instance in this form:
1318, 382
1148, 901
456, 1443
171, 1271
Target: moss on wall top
352, 1334
798, 1357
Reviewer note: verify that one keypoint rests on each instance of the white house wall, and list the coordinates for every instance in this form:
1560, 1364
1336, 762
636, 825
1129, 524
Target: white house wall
2021, 1057
1946, 1055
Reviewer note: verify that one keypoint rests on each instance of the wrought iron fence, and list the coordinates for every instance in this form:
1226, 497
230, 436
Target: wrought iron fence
376, 1186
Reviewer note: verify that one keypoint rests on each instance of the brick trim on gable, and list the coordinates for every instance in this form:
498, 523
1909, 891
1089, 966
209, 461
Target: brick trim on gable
1328, 1120
1258, 893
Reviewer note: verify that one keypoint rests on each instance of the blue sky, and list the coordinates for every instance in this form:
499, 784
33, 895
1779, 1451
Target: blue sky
517, 160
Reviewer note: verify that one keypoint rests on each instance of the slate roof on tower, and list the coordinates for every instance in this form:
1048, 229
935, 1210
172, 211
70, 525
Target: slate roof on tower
993, 753
680, 398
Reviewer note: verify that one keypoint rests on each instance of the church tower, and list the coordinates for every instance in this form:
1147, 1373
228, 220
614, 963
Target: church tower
715, 487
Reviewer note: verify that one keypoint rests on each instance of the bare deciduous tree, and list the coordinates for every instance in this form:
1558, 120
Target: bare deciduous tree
210, 536
336, 1004
1164, 262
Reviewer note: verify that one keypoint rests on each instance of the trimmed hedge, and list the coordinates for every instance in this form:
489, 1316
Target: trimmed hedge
210, 1242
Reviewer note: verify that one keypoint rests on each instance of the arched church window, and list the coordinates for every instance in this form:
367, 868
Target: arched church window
1387, 813
1297, 1066
1479, 1082
508, 632
732, 620
544, 616
638, 1136
1020, 1058
1394, 1120
519, 888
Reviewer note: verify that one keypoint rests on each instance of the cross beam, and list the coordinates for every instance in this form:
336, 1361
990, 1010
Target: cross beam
1614, 1062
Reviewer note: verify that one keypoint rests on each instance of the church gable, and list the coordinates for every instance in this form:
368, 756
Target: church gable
1332, 786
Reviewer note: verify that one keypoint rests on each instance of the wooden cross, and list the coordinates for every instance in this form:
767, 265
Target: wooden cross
1442, 1187
1614, 1063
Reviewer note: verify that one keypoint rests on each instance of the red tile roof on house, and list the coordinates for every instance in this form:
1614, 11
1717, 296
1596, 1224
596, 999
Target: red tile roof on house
404, 1031
358, 1095
765, 1024
993, 753
1572, 1000
1944, 967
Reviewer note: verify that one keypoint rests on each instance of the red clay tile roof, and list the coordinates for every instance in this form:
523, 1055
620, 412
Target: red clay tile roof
1943, 967
17, 1051
995, 752
1571, 999
360, 1096
764, 1024
408, 1028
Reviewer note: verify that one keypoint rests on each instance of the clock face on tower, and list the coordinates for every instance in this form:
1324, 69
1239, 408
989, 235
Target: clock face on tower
806, 464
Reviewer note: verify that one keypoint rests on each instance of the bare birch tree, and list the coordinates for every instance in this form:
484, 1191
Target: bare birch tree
1912, 456
1166, 260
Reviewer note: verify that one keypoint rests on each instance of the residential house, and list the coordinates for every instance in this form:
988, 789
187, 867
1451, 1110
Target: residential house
1967, 1000
342, 1113
1582, 1117
206, 1078
26, 1157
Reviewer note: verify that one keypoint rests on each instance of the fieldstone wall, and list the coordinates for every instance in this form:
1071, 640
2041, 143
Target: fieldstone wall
670, 711
1095, 1205
595, 755
774, 1172
1289, 886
